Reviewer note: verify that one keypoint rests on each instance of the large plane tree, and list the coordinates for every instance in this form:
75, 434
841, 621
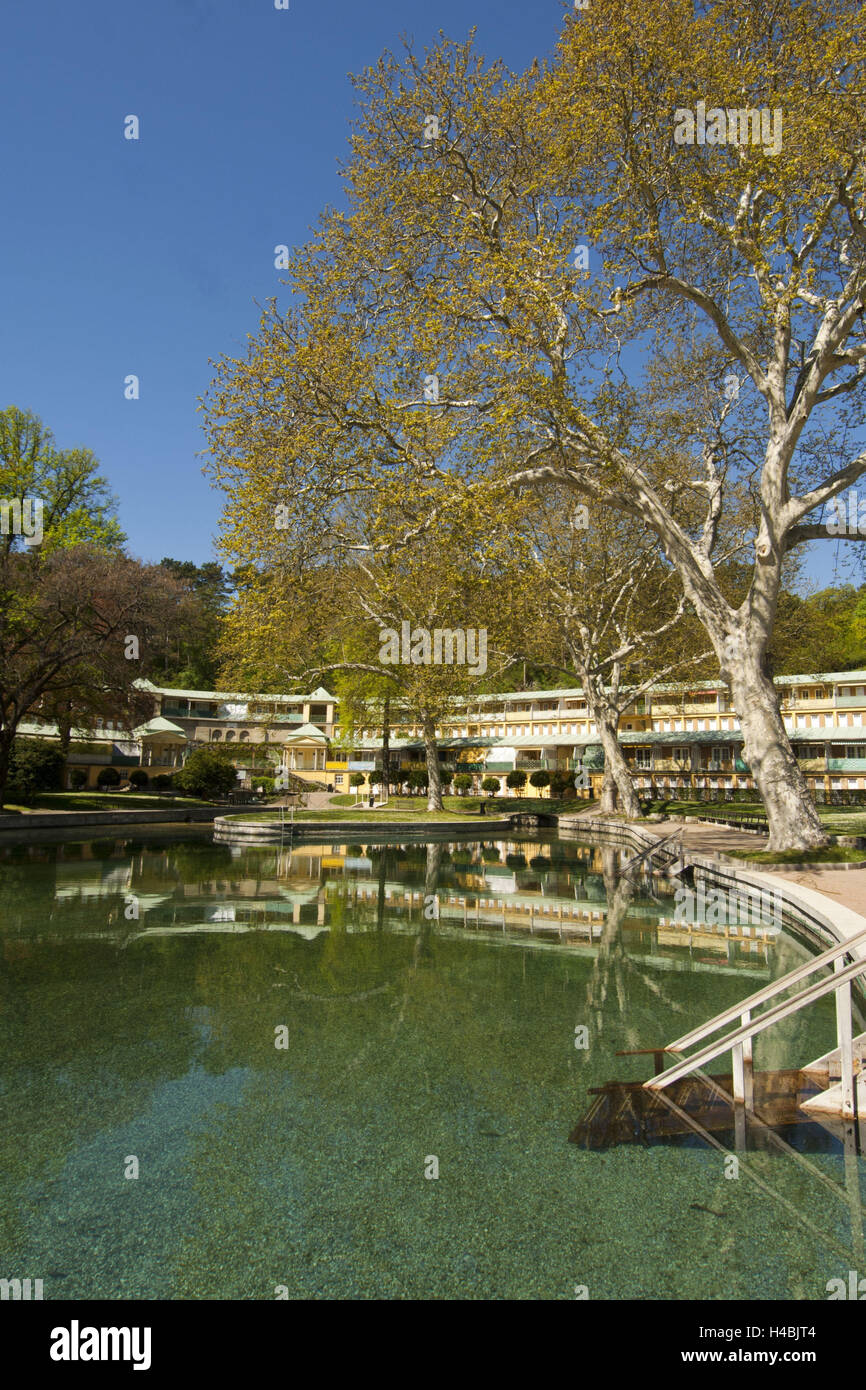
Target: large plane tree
567, 278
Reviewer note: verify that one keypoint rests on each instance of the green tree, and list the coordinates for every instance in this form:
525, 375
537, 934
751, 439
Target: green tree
208, 772
662, 324
78, 507
540, 779
36, 766
191, 637
463, 782
490, 785
516, 780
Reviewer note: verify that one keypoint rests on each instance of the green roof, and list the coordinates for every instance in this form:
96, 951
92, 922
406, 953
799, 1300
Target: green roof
219, 695
159, 726
305, 731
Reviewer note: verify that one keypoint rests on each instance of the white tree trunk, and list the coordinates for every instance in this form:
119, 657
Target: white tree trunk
794, 821
617, 777
431, 753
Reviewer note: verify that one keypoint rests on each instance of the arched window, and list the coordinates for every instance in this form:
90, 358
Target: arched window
230, 733
216, 735
243, 736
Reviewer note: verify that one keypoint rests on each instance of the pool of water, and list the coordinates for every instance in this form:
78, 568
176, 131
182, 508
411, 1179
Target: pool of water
289, 1046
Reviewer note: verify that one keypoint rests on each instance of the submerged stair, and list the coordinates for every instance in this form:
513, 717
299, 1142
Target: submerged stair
628, 1113
826, 1072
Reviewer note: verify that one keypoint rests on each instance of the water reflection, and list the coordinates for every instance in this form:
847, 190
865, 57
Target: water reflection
544, 890
431, 995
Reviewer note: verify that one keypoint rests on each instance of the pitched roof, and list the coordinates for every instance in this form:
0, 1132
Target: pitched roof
159, 725
306, 731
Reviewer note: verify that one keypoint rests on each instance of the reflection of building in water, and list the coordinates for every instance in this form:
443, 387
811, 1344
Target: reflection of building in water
546, 891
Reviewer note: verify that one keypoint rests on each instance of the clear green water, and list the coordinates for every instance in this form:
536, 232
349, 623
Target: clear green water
408, 1039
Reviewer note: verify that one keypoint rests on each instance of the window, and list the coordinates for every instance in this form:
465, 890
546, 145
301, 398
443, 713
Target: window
809, 750
847, 750
643, 757
680, 755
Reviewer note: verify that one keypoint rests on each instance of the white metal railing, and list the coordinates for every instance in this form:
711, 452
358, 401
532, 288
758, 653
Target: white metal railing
649, 850
290, 822
739, 1041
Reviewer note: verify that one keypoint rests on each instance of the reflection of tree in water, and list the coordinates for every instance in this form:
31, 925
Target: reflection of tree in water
614, 969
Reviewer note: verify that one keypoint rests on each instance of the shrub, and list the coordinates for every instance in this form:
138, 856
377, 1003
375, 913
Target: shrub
561, 783
35, 766
138, 777
462, 783
540, 779
418, 781
490, 785
77, 779
108, 777
515, 779
516, 861
490, 854
356, 779
207, 772
162, 781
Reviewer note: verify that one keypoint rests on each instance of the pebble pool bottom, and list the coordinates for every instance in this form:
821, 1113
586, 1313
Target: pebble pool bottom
287, 1050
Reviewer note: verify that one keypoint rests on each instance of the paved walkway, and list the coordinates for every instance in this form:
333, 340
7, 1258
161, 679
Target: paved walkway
844, 886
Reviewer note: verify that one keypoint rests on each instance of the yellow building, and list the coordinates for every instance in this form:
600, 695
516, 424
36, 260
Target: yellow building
677, 738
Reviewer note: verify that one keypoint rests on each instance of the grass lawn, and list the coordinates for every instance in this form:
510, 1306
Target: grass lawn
836, 854
102, 801
839, 820
705, 809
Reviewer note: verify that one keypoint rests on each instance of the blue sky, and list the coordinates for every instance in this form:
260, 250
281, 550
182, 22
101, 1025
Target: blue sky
148, 256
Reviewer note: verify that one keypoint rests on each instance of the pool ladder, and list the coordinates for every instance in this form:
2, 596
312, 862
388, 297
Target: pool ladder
287, 823
840, 1099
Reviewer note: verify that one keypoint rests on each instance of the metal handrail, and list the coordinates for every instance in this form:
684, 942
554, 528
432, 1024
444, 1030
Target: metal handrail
651, 849
761, 996
839, 981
